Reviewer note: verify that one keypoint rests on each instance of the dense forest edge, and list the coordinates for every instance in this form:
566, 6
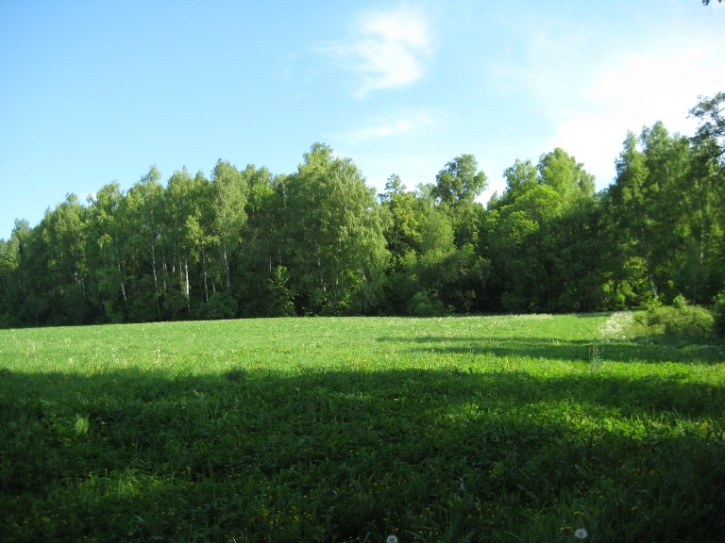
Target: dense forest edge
250, 243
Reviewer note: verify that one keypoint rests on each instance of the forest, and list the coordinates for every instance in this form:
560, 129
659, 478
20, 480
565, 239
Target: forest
319, 241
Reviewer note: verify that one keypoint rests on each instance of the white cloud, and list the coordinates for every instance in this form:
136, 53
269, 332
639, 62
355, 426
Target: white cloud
401, 126
396, 127
591, 83
639, 91
388, 49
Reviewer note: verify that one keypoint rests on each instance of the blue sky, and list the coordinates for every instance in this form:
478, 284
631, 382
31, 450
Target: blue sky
92, 92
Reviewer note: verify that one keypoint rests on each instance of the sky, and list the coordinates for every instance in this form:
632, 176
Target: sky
95, 92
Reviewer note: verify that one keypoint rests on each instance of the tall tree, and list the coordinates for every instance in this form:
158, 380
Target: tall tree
520, 178
229, 197
647, 205
106, 237
522, 248
146, 219
456, 189
58, 271
565, 175
335, 245
13, 275
460, 181
540, 262
183, 236
264, 277
461, 274
707, 196
404, 213
709, 111
630, 210
403, 218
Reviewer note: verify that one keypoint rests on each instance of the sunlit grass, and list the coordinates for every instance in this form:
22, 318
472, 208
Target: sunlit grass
504, 428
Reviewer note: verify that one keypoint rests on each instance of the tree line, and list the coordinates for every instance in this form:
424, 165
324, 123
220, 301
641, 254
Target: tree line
319, 241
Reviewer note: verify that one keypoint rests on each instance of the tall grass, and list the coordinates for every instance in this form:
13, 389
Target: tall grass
456, 429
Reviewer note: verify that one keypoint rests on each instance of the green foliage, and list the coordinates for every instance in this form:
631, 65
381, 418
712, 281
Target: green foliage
334, 242
247, 243
426, 303
679, 320
518, 428
565, 175
710, 113
459, 182
220, 306
403, 217
662, 209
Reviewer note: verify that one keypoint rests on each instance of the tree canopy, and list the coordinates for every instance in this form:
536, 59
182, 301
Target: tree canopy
246, 242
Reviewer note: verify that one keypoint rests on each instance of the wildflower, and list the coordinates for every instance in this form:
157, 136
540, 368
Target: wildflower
391, 539
581, 533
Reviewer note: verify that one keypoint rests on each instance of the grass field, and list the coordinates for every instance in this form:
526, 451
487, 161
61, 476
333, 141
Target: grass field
502, 428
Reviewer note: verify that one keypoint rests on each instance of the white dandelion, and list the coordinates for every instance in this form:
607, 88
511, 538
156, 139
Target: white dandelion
391, 539
581, 533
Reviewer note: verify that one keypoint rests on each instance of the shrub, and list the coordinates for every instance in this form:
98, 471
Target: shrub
679, 302
221, 305
679, 320
426, 303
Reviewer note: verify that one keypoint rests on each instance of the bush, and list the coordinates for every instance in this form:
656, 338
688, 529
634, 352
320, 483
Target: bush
679, 302
425, 303
679, 320
221, 306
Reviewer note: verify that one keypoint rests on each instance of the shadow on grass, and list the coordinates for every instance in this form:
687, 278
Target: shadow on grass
643, 349
258, 456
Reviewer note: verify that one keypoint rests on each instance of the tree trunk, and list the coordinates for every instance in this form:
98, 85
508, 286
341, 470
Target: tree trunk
203, 264
225, 262
187, 288
120, 271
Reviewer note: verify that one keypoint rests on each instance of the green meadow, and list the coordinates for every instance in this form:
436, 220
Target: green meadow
498, 428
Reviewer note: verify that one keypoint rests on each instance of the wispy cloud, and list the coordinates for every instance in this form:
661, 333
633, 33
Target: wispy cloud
388, 128
591, 84
387, 49
400, 126
636, 91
